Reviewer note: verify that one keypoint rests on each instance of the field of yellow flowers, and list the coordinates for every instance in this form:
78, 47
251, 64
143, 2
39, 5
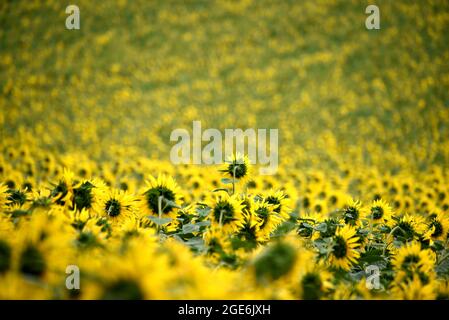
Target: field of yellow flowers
358, 209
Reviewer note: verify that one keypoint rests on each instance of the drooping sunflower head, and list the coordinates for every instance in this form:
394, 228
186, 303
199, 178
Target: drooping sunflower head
344, 248
281, 202
408, 228
268, 219
237, 167
437, 226
380, 211
227, 213
161, 196
353, 213
87, 193
62, 193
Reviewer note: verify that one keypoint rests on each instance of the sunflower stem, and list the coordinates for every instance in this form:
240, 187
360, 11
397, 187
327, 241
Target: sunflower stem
159, 207
221, 218
233, 179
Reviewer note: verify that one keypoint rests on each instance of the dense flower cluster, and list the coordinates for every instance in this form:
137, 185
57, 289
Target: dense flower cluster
359, 208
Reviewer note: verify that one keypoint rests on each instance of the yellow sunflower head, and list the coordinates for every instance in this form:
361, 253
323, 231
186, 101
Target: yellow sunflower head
344, 249
237, 167
161, 197
380, 212
413, 259
353, 213
116, 206
437, 226
280, 201
227, 212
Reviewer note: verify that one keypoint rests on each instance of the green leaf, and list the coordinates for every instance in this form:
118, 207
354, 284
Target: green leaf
189, 228
228, 181
160, 221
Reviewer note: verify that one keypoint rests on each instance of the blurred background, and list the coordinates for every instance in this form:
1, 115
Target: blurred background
340, 95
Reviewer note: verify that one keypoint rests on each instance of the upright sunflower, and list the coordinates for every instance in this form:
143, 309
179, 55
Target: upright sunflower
380, 212
237, 167
161, 196
115, 205
344, 249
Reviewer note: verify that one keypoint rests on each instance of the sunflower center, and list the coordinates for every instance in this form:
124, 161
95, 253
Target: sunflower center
123, 290
264, 214
32, 261
405, 229
224, 212
113, 207
410, 261
153, 196
351, 214
311, 287
438, 228
377, 213
340, 248
82, 196
61, 190
276, 202
238, 168
17, 197
275, 262
5, 256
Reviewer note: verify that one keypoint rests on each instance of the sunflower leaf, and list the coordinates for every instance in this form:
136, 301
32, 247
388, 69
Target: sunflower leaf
160, 221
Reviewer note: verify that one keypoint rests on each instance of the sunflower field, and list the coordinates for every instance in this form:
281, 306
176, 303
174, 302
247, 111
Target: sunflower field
358, 208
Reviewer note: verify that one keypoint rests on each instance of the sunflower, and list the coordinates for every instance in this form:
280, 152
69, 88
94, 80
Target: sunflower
281, 202
161, 197
380, 212
344, 249
268, 219
314, 281
227, 212
437, 226
62, 193
408, 227
353, 213
237, 167
43, 247
116, 205
413, 289
217, 243
87, 193
413, 259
